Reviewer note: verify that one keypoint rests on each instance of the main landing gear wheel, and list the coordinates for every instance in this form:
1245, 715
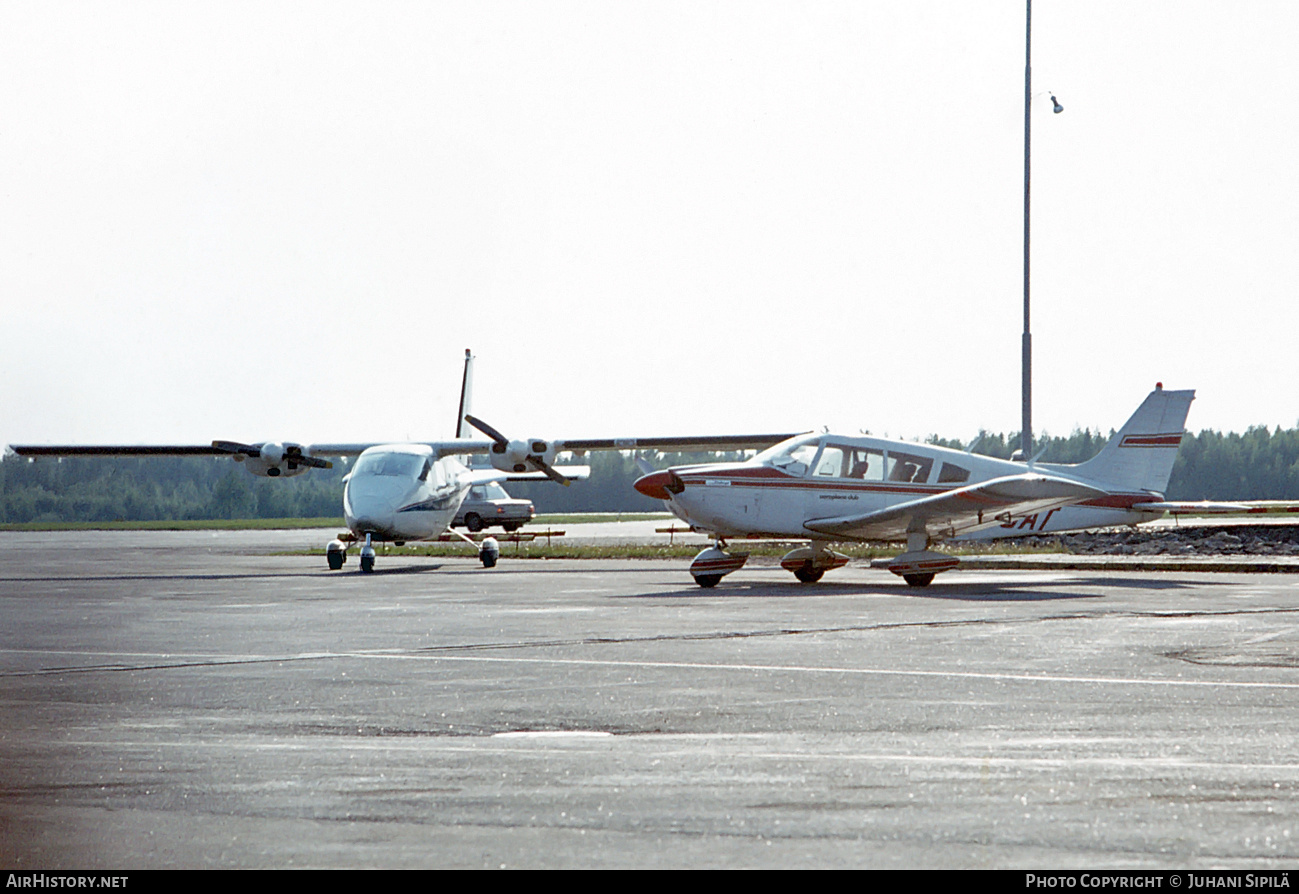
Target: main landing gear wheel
489, 552
918, 580
336, 554
708, 581
367, 564
809, 574
474, 522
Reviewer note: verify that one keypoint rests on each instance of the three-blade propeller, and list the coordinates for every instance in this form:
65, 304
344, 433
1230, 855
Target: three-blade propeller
502, 445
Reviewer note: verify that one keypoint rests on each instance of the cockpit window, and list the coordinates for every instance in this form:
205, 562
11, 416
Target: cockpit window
909, 467
405, 465
846, 461
950, 474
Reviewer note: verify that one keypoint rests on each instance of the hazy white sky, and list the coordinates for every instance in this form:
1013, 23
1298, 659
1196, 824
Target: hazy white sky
288, 220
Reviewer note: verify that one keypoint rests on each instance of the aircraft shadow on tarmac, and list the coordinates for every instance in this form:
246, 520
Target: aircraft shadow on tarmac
1001, 591
385, 572
239, 575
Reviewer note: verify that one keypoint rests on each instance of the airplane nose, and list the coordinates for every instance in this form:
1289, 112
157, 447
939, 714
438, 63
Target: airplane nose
369, 502
660, 485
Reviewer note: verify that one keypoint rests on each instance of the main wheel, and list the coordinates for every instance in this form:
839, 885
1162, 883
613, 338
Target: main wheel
474, 522
488, 559
367, 564
918, 580
335, 558
808, 574
708, 580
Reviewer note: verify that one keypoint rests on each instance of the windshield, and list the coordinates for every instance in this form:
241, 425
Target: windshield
793, 455
405, 465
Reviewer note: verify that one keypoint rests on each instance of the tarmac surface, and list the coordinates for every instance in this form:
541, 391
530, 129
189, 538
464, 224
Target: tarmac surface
187, 700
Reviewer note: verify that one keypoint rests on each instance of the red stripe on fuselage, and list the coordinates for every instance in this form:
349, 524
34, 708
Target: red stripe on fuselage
781, 480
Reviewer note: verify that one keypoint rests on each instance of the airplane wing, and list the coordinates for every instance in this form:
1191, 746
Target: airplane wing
537, 455
679, 444
456, 447
981, 505
294, 454
534, 455
118, 450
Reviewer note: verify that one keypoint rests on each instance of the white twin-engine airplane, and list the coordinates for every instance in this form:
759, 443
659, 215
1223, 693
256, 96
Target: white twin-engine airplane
827, 488
403, 492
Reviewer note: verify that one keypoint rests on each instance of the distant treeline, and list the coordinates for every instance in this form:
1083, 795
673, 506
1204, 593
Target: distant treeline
1259, 464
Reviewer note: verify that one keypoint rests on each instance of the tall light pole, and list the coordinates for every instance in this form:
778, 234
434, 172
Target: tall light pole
1026, 348
1026, 436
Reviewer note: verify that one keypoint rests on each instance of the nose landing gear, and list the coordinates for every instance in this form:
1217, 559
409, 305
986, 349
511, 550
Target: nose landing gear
367, 556
712, 564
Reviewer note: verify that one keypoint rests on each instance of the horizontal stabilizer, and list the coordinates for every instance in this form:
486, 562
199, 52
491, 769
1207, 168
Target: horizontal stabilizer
1245, 507
964, 509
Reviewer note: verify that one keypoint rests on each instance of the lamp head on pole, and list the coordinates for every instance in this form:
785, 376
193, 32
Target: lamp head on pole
1055, 105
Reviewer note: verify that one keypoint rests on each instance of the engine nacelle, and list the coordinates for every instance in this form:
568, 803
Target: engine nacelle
513, 456
276, 460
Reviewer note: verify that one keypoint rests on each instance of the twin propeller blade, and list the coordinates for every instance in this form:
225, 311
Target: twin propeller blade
502, 446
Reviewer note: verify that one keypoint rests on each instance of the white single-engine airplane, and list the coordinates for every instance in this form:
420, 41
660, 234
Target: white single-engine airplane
411, 491
826, 488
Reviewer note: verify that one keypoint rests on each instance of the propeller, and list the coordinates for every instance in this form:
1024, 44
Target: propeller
502, 445
290, 453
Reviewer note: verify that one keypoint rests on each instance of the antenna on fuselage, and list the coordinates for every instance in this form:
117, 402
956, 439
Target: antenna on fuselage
466, 397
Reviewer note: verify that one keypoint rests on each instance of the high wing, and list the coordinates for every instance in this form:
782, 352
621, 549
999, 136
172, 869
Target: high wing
294, 455
957, 511
538, 455
119, 450
534, 454
681, 444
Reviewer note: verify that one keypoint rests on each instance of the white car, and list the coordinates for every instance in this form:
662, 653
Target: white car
488, 505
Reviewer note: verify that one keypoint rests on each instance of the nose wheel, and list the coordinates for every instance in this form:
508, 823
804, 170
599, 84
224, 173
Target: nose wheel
367, 556
714, 563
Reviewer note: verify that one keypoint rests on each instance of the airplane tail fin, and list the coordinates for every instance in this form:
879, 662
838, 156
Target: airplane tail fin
462, 428
1140, 456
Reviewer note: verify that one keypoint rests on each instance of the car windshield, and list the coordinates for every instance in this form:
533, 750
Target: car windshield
406, 465
490, 491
